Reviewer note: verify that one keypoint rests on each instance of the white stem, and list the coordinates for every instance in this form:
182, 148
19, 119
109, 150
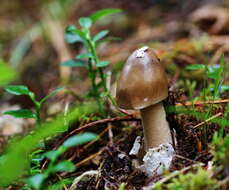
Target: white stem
156, 128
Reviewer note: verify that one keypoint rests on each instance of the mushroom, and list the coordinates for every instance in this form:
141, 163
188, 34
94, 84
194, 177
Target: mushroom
143, 85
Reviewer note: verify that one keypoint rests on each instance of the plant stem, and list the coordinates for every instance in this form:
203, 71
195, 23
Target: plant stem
94, 88
37, 109
102, 76
96, 60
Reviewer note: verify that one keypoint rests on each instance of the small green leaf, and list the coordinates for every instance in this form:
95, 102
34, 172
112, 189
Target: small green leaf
195, 67
74, 63
85, 22
102, 64
22, 113
6, 73
103, 94
84, 55
71, 28
102, 13
214, 71
73, 35
100, 35
72, 38
52, 155
59, 185
18, 90
64, 166
54, 92
224, 88
79, 139
36, 181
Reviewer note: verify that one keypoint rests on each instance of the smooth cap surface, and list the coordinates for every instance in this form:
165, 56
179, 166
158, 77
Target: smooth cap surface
142, 82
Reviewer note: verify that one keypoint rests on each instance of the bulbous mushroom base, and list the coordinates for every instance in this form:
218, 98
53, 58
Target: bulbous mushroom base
158, 159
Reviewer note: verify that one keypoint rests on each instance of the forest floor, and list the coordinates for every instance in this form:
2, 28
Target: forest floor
182, 35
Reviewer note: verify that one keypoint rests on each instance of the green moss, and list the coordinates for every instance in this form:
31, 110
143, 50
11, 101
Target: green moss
190, 181
220, 150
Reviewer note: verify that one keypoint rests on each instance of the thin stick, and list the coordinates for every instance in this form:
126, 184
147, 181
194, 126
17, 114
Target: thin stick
209, 119
202, 103
124, 111
79, 164
184, 158
110, 134
82, 162
103, 121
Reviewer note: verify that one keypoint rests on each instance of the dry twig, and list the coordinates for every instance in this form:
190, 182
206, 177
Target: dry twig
207, 120
199, 103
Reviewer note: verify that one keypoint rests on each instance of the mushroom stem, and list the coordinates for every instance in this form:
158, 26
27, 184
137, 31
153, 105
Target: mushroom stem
156, 128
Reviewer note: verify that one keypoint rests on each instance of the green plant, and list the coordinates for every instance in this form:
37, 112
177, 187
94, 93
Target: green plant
36, 157
220, 150
214, 75
213, 87
25, 113
90, 59
122, 186
59, 185
198, 115
54, 165
6, 73
193, 181
189, 86
15, 159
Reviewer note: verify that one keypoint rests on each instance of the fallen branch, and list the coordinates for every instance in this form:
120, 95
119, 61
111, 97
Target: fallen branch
202, 103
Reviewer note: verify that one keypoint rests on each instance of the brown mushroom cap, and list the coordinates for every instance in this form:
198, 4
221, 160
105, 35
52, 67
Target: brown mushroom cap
143, 81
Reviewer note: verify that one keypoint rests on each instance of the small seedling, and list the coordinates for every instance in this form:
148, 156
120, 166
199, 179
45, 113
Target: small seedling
189, 87
26, 113
36, 157
214, 74
213, 84
220, 151
54, 166
90, 59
